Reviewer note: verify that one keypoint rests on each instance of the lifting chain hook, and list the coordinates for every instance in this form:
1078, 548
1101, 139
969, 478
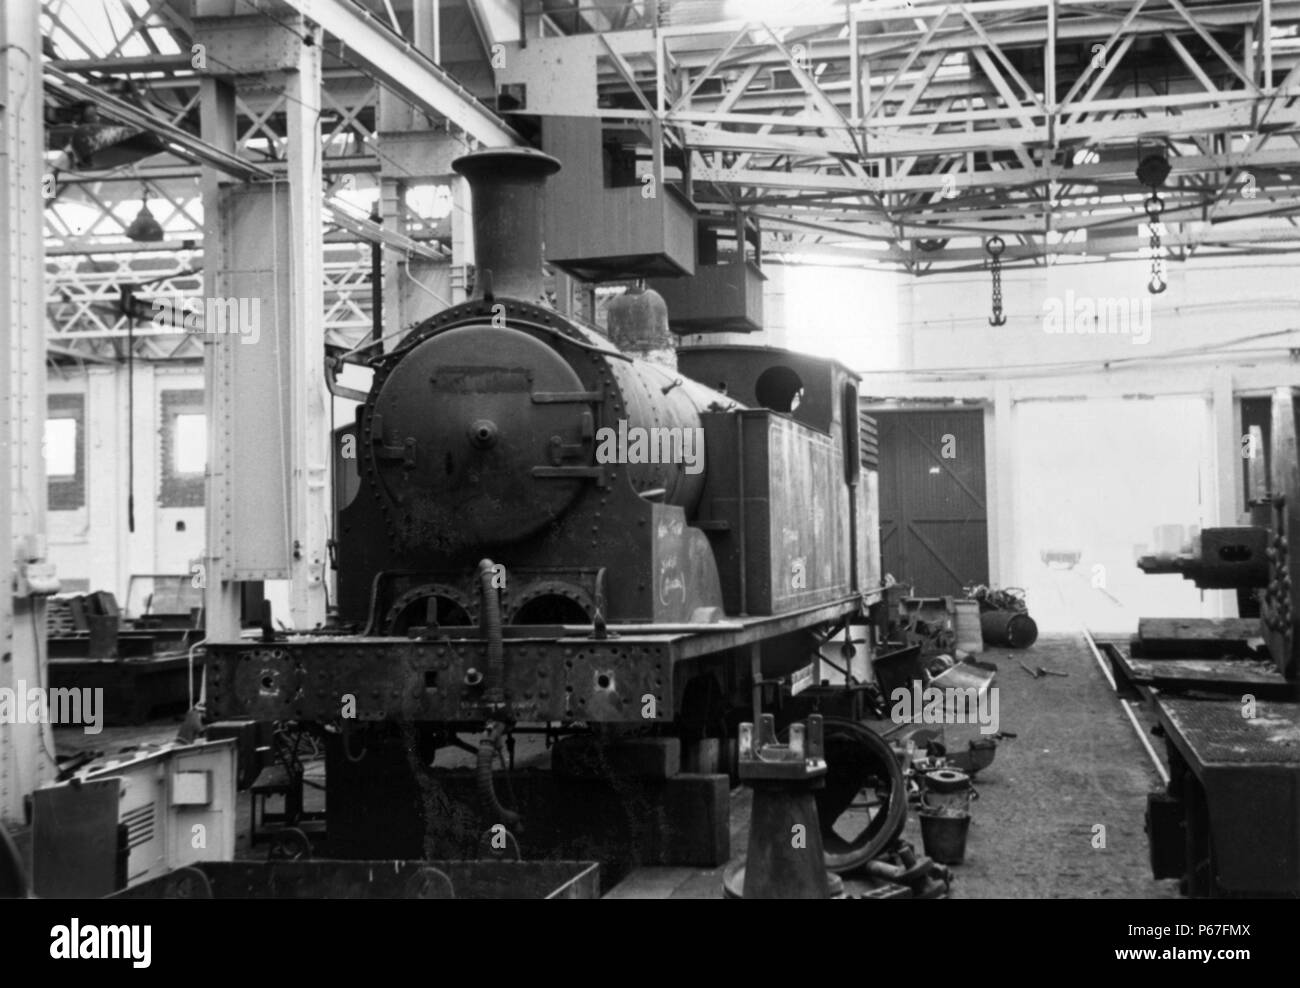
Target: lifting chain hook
1155, 206
995, 246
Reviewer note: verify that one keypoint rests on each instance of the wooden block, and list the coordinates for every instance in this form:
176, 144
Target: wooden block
697, 822
703, 757
1181, 629
1196, 637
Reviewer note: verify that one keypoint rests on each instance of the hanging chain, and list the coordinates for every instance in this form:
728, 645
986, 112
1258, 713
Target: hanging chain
1154, 207
995, 246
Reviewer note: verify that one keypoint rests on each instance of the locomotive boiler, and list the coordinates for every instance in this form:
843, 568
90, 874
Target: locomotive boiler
480, 436
489, 432
549, 534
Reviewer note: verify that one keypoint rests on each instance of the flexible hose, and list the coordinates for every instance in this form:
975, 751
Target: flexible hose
347, 745
494, 693
487, 749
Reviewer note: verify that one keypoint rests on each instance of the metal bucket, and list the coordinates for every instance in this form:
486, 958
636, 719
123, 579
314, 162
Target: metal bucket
1010, 629
944, 836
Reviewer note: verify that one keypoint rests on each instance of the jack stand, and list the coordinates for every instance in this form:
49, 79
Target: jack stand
785, 859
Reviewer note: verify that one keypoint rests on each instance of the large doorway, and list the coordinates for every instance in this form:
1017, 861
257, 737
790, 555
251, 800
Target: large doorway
933, 509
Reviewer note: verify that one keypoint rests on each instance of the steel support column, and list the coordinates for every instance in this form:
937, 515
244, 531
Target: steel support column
25, 761
269, 452
1227, 460
221, 597
414, 288
309, 452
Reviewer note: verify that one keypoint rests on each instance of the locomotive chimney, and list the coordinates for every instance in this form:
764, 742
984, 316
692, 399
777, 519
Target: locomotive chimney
507, 186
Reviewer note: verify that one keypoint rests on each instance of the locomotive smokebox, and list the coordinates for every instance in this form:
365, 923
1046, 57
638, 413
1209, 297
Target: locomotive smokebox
507, 186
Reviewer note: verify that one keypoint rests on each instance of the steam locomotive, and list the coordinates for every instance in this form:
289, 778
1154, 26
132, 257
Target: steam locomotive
549, 531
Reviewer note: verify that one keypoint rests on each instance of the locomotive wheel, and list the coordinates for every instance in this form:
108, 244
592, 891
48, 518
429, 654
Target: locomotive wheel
858, 817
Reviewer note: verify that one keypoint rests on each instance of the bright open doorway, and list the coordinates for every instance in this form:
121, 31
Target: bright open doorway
1094, 479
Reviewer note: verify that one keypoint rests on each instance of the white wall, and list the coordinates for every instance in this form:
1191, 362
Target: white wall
1164, 401
943, 320
92, 543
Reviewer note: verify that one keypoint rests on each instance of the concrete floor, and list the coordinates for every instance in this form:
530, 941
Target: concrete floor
1075, 764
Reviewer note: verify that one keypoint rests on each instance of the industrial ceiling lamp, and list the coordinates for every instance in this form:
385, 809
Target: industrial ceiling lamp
145, 228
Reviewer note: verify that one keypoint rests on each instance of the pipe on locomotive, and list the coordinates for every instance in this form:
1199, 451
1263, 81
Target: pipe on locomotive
489, 745
494, 685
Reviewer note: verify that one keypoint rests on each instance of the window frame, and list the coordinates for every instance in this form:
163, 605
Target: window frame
175, 489
68, 492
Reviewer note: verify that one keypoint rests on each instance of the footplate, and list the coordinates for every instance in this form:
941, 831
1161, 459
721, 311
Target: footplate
367, 679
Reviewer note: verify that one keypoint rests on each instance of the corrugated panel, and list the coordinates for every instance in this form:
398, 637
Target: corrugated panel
139, 824
869, 441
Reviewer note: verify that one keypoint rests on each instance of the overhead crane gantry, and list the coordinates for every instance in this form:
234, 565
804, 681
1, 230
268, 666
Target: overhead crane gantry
879, 132
903, 134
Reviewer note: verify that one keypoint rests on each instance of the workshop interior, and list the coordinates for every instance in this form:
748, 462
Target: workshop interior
650, 449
